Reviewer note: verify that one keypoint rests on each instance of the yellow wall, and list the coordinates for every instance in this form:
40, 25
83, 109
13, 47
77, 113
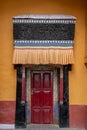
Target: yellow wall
10, 8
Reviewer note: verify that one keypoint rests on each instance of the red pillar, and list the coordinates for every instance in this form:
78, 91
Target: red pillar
23, 86
61, 86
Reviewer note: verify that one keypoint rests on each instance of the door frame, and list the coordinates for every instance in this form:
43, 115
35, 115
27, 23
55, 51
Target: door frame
63, 122
55, 83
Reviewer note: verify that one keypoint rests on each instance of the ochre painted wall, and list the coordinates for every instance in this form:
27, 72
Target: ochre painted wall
10, 8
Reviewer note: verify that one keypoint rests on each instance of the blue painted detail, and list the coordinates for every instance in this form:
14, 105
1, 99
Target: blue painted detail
27, 112
41, 44
56, 111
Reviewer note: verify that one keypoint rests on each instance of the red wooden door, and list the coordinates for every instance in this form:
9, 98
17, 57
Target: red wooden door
41, 97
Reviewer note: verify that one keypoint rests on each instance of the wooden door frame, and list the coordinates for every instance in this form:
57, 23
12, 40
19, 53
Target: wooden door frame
62, 122
47, 68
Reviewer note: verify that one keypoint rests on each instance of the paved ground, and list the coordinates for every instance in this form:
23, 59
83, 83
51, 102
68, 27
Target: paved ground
51, 129
47, 129
41, 127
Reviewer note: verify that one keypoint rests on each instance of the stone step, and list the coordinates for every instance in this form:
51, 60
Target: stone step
50, 127
55, 128
45, 127
41, 127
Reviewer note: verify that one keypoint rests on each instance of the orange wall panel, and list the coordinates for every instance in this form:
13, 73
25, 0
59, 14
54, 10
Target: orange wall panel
10, 8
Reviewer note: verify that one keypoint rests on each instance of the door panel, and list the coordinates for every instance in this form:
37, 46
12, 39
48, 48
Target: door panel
41, 97
47, 98
36, 81
36, 112
36, 98
46, 80
47, 115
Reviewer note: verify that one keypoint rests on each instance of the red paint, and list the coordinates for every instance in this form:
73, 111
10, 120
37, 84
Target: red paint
23, 90
86, 117
23, 85
61, 90
61, 86
7, 112
77, 116
41, 97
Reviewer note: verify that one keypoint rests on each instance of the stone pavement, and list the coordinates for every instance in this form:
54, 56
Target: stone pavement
46, 127
51, 129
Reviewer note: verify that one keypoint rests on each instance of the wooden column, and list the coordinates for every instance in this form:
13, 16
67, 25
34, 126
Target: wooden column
20, 106
64, 97
61, 86
23, 86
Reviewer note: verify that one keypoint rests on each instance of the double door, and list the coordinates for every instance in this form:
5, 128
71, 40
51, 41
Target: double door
41, 97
